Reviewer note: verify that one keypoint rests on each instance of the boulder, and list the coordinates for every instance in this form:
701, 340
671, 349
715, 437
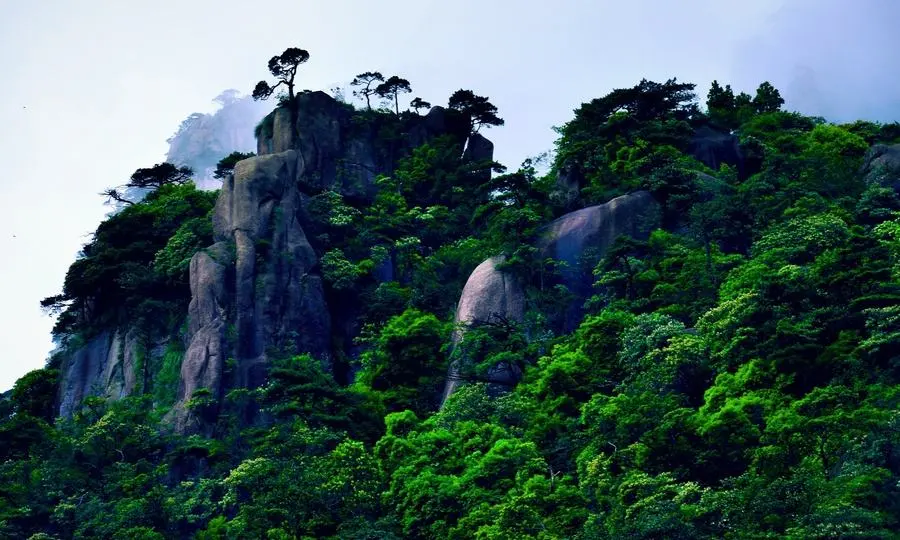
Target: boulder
713, 148
584, 234
489, 294
881, 166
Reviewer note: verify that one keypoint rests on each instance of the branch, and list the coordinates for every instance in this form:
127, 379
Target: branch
113, 194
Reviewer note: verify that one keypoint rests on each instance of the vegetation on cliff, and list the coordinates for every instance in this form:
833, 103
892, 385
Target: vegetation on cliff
735, 375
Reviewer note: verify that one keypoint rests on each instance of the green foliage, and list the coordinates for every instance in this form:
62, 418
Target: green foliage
392, 88
365, 81
406, 362
342, 273
166, 379
174, 259
477, 109
767, 99
116, 279
625, 125
736, 374
225, 166
34, 394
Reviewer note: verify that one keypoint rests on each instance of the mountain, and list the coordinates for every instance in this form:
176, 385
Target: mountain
203, 139
687, 328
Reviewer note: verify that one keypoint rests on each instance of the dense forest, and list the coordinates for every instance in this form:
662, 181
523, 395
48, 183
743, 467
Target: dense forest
733, 373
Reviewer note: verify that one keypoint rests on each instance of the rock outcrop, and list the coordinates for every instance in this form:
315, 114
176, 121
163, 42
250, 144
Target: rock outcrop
262, 268
344, 153
713, 148
203, 139
104, 366
881, 166
490, 292
582, 237
258, 290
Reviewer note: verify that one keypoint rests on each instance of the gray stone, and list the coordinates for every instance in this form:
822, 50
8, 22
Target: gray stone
203, 364
490, 292
881, 166
713, 148
282, 131
262, 270
104, 367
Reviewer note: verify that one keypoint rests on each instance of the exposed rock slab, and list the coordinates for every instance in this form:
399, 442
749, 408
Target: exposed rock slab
881, 166
489, 294
104, 366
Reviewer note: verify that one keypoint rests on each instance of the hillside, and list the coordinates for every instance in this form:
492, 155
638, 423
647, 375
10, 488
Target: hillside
686, 328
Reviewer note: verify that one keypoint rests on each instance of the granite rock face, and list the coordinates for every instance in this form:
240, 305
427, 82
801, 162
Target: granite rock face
881, 166
258, 291
713, 148
491, 293
104, 366
344, 152
258, 282
582, 237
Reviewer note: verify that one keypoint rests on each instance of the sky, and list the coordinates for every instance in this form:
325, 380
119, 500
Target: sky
92, 89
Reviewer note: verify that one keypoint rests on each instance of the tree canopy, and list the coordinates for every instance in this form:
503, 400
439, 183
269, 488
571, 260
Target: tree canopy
477, 109
365, 81
284, 68
733, 373
392, 88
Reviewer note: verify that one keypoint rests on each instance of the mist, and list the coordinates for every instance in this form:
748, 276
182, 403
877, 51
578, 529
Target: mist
831, 58
204, 139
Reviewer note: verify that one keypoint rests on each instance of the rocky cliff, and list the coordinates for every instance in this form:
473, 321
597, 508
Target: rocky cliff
257, 291
106, 366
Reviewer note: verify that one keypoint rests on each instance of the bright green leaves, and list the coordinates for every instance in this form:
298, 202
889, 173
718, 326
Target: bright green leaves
174, 259
340, 272
406, 362
472, 479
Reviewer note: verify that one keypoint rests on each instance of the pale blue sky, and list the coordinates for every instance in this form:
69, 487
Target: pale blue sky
91, 89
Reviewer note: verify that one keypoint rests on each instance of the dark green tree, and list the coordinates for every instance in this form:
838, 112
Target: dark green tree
768, 98
477, 109
419, 103
365, 81
284, 68
225, 166
392, 88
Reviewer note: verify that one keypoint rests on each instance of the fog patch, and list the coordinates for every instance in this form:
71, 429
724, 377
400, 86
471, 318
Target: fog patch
831, 58
204, 139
